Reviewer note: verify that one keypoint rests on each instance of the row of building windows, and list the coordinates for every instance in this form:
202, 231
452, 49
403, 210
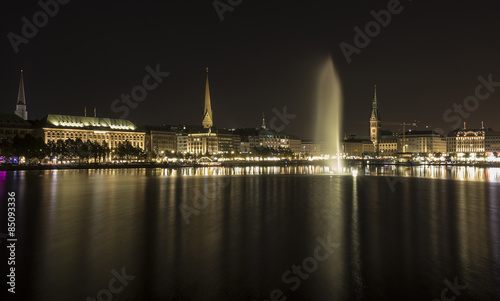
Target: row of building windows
94, 136
112, 140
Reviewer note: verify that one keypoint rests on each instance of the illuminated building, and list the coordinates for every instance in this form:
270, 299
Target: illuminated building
473, 141
105, 131
295, 144
272, 139
228, 142
160, 140
265, 137
423, 142
182, 143
491, 142
310, 148
203, 143
358, 146
211, 141
465, 141
388, 145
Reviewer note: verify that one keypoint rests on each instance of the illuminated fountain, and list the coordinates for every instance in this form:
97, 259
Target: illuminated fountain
329, 113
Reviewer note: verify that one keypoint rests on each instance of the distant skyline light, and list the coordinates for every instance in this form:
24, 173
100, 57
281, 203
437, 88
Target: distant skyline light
426, 61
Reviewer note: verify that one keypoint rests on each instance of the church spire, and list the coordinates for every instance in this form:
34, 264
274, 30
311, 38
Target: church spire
207, 112
375, 113
263, 121
375, 122
21, 101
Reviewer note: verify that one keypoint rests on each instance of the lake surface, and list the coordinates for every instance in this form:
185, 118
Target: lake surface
300, 233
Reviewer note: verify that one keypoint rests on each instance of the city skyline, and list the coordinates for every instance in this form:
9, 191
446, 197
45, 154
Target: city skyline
413, 84
250, 150
373, 129
206, 139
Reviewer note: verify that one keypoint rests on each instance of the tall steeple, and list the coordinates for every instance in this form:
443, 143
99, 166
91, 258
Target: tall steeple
375, 122
21, 101
375, 113
207, 112
263, 121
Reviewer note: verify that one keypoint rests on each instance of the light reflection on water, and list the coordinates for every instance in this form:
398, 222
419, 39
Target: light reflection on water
462, 173
77, 225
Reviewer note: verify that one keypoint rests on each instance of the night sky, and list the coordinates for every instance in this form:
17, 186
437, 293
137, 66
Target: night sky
263, 55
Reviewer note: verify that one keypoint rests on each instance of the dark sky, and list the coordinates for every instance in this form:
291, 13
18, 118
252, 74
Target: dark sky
264, 55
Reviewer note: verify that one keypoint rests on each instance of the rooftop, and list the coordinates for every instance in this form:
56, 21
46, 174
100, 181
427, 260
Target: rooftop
422, 133
69, 121
12, 118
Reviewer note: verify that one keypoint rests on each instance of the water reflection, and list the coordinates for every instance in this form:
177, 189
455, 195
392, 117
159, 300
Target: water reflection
251, 224
463, 173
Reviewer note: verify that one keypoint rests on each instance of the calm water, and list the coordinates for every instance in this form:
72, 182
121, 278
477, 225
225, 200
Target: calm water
395, 233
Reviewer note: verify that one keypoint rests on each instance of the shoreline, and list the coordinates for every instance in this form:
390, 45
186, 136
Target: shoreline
223, 164
155, 165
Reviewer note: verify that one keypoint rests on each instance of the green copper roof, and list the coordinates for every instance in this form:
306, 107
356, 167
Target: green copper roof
82, 121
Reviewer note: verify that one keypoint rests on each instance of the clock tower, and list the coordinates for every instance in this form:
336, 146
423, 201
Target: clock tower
375, 122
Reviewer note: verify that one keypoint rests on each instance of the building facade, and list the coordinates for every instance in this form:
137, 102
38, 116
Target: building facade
105, 131
182, 143
310, 148
491, 142
272, 139
12, 125
423, 142
466, 141
473, 141
213, 143
203, 144
295, 145
388, 145
161, 141
358, 147
228, 143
